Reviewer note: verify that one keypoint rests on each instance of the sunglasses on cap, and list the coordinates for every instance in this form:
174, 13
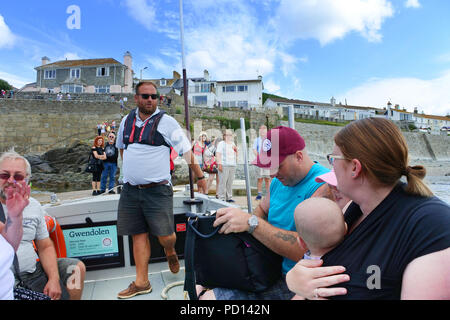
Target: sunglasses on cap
145, 96
16, 176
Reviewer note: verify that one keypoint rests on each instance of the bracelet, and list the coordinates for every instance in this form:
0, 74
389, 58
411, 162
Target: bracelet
200, 178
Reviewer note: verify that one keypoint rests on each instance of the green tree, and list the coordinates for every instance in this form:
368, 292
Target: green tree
5, 85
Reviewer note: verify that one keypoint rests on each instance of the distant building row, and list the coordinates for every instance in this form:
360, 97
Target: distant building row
426, 123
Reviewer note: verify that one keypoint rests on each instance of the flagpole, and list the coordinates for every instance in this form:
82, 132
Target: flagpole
185, 94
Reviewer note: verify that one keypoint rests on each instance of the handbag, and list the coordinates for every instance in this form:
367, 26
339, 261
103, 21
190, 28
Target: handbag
235, 260
210, 166
92, 165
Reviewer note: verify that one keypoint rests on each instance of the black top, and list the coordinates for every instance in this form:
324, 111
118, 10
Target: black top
99, 150
111, 152
400, 229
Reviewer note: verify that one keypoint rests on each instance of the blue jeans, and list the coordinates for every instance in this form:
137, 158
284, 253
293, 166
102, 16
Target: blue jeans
109, 169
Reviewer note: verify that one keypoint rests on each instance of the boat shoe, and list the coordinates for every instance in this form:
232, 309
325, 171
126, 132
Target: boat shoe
134, 290
174, 264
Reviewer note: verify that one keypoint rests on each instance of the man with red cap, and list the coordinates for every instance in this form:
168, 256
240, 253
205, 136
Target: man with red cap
272, 222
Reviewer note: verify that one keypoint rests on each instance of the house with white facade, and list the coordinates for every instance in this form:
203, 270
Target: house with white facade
244, 94
323, 110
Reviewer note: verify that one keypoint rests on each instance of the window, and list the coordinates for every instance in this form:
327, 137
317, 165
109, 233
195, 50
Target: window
75, 73
205, 87
200, 100
50, 74
101, 89
229, 89
243, 104
242, 88
103, 72
72, 88
163, 82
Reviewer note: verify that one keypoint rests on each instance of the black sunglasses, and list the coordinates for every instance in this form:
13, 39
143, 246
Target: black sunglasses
16, 176
145, 96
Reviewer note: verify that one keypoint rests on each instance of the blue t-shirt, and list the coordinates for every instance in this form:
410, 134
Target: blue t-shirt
284, 200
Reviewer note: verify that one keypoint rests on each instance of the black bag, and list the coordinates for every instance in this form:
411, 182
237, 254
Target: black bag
92, 165
235, 261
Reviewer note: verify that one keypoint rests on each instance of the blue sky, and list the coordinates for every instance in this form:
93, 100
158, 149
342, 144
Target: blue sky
365, 52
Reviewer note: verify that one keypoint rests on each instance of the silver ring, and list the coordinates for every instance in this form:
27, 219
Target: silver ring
316, 293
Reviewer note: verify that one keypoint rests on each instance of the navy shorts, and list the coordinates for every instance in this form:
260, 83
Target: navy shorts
145, 211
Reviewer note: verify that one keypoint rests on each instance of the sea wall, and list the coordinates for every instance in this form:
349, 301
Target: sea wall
422, 146
36, 126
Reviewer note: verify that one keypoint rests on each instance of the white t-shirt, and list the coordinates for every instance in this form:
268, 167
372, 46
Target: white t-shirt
6, 274
228, 154
143, 164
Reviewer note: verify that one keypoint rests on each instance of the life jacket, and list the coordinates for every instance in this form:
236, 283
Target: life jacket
198, 149
147, 134
56, 235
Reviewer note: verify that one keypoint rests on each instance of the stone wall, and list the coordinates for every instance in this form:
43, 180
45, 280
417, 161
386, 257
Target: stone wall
36, 126
320, 142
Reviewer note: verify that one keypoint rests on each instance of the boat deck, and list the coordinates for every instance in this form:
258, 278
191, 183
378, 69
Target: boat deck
107, 283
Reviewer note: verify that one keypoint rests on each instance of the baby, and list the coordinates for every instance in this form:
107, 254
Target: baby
320, 225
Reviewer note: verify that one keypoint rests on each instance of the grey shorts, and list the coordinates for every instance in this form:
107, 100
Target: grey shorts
146, 211
38, 279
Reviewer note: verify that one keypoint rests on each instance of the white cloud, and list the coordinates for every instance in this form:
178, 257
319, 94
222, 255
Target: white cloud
142, 11
271, 87
7, 38
431, 96
15, 80
412, 4
328, 20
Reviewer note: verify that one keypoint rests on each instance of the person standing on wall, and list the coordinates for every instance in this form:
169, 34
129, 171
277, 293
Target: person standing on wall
146, 202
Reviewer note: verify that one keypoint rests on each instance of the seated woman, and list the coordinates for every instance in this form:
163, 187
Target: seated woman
398, 244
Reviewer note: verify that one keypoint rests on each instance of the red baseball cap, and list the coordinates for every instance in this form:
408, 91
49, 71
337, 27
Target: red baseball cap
279, 143
329, 177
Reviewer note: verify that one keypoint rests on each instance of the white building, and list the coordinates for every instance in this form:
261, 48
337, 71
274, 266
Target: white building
245, 94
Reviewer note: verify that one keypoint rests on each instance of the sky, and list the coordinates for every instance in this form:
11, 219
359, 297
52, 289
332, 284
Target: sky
363, 52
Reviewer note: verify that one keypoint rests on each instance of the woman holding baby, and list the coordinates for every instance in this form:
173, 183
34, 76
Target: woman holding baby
398, 240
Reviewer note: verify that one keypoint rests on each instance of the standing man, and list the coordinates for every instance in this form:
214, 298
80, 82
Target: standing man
58, 278
109, 164
263, 173
146, 202
272, 222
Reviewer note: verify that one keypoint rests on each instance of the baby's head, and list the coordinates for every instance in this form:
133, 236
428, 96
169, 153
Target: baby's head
320, 224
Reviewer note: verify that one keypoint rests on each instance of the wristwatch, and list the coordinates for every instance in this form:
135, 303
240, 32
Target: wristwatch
201, 178
253, 223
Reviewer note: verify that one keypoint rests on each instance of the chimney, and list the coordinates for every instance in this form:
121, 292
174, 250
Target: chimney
45, 60
389, 104
333, 101
206, 75
415, 110
128, 81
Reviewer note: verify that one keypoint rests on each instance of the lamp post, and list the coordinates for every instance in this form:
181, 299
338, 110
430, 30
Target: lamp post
143, 70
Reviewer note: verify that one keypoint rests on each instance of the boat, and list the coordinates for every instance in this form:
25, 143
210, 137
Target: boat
90, 234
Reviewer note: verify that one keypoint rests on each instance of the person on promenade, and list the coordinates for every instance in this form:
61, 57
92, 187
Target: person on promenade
321, 227
210, 164
294, 172
146, 202
109, 164
58, 278
263, 173
226, 157
98, 153
398, 245
199, 147
14, 194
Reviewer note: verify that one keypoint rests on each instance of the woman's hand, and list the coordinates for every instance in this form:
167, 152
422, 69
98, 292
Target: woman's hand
308, 279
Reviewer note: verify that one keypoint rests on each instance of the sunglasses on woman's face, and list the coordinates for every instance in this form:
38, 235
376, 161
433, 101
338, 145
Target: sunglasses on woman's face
16, 176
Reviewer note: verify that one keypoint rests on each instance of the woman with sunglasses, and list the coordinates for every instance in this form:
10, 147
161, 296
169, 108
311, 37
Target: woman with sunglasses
398, 244
98, 153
